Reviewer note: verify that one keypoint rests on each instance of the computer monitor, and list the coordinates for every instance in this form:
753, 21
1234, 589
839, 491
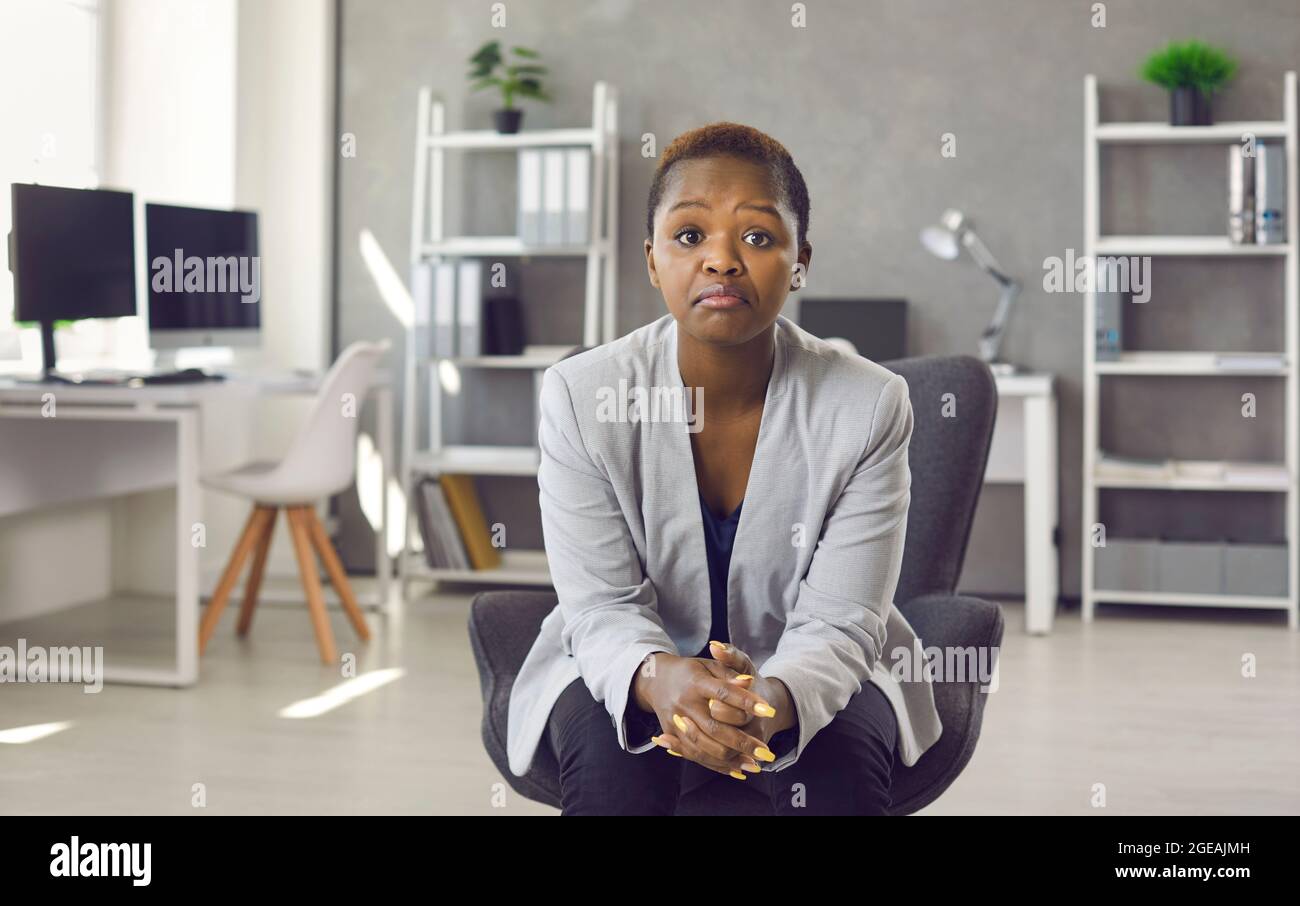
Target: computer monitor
72, 253
205, 277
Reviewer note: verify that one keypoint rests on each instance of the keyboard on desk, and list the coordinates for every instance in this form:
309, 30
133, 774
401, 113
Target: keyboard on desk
184, 376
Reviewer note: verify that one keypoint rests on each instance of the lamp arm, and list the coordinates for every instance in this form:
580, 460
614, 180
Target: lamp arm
984, 258
991, 340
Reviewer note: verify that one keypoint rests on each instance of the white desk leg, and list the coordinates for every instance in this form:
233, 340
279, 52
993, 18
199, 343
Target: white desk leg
187, 555
1041, 556
384, 427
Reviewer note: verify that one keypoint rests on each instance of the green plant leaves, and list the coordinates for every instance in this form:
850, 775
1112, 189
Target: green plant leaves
515, 80
1189, 64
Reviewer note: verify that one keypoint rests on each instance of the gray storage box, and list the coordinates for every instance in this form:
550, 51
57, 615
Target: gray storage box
1194, 567
1127, 564
1255, 569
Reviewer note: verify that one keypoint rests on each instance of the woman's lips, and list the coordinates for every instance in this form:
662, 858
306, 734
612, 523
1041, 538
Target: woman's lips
721, 303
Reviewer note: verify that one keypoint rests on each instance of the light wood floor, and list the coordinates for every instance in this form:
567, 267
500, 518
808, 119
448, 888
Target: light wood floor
1149, 702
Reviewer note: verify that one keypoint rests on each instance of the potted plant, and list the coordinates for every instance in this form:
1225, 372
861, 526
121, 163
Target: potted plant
1191, 71
517, 79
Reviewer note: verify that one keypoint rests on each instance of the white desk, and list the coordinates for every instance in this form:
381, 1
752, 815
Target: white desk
65, 443
1024, 451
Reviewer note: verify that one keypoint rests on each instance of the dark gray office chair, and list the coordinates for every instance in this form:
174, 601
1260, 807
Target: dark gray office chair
947, 457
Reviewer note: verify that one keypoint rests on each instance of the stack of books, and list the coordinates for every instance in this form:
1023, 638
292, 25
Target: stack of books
1246, 361
1227, 471
456, 536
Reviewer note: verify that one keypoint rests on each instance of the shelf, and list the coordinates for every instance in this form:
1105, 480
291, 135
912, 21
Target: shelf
1163, 133
1187, 363
1191, 484
526, 361
1182, 245
518, 567
1184, 599
1103, 472
477, 460
488, 139
507, 246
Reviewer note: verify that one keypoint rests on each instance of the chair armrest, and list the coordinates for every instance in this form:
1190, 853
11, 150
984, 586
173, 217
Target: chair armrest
954, 620
503, 625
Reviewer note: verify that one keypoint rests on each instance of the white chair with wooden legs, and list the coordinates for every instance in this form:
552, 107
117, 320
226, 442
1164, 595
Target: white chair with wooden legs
320, 462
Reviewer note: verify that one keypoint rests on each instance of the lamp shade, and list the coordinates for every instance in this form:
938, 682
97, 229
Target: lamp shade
944, 239
940, 242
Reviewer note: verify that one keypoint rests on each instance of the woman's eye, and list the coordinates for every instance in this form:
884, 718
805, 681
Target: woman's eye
682, 233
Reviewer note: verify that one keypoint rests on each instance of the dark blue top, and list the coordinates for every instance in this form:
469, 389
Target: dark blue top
719, 535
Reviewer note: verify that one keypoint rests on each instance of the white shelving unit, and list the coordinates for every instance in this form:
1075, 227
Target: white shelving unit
429, 242
1190, 364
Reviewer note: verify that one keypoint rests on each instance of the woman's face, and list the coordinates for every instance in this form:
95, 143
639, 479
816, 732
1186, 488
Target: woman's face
721, 223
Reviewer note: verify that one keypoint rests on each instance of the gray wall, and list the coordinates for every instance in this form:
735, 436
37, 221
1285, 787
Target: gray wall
861, 97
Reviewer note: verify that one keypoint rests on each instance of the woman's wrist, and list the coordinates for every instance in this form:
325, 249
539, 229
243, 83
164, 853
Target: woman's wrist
777, 694
642, 679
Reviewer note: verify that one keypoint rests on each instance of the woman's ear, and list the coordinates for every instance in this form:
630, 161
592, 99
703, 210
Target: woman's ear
650, 263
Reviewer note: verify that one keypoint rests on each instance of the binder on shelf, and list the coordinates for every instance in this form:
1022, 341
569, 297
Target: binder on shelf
444, 308
503, 326
422, 300
530, 196
465, 509
578, 182
1270, 193
469, 308
553, 196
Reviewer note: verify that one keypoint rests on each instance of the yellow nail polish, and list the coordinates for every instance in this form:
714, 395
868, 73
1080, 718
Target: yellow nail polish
738, 775
716, 643
763, 710
743, 676
712, 702
681, 724
751, 767
764, 754
655, 740
673, 752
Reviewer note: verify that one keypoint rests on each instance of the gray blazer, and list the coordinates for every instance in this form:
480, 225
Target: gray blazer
815, 559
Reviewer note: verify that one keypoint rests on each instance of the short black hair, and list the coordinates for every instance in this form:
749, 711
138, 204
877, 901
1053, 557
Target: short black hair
735, 140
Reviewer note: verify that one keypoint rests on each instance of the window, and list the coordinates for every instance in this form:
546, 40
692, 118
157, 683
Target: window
51, 110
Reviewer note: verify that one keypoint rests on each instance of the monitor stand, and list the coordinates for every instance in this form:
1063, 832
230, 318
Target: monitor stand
48, 373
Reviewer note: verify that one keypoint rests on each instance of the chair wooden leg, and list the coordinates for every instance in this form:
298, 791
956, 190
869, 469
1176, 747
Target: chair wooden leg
338, 578
254, 583
252, 531
300, 529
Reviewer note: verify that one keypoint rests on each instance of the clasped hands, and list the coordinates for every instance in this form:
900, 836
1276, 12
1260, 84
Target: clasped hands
720, 715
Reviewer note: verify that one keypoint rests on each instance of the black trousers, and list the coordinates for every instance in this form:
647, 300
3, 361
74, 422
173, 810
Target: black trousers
844, 770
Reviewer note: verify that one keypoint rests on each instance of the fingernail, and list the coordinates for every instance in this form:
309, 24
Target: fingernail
751, 767
656, 740
712, 702
716, 644
673, 752
762, 709
742, 676
681, 724
738, 775
764, 754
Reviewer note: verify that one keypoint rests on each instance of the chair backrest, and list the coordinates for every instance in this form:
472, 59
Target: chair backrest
947, 458
324, 451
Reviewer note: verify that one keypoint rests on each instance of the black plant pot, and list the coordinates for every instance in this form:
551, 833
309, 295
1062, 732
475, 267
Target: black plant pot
1189, 106
507, 121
